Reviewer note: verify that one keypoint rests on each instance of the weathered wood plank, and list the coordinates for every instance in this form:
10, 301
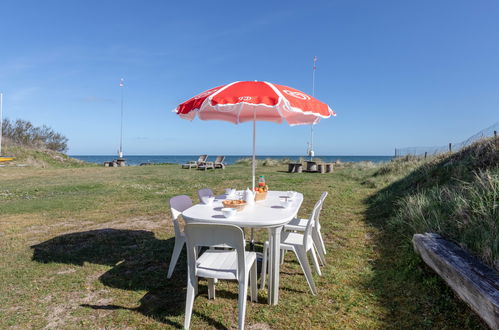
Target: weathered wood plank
474, 282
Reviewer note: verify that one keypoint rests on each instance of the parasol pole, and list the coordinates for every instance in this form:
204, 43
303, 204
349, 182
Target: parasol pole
254, 151
252, 240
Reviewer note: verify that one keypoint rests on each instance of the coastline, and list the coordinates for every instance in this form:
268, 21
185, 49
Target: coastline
180, 159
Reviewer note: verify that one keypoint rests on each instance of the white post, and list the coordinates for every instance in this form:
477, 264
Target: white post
1, 121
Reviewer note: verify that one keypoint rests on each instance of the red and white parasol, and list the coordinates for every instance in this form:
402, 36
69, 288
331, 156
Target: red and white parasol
243, 101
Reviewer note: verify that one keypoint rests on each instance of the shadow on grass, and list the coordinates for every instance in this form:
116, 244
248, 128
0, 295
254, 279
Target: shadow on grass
412, 294
139, 261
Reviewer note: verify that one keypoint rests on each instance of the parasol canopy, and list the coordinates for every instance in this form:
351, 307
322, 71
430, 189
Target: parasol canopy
243, 101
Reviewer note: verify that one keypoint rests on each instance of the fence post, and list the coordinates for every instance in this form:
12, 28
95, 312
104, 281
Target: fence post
495, 136
450, 147
395, 152
425, 153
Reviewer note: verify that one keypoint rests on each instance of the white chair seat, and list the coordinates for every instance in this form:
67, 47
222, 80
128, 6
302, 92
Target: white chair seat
221, 264
291, 239
296, 224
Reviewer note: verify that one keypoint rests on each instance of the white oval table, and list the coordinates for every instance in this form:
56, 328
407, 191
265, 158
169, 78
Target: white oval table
262, 214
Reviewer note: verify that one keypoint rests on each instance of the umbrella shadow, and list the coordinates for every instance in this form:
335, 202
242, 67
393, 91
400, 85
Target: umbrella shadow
139, 262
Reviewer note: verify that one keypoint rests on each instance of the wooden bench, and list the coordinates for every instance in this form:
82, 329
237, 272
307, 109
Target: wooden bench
475, 283
329, 167
295, 168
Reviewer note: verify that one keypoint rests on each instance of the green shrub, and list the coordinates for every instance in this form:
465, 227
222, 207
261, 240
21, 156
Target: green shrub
24, 133
268, 162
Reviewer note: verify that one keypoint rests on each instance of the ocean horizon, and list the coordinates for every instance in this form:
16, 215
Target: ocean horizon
180, 159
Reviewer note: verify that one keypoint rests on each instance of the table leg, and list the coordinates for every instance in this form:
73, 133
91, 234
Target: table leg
269, 267
274, 263
252, 242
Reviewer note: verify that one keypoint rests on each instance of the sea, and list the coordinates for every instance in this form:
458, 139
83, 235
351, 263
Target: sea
135, 160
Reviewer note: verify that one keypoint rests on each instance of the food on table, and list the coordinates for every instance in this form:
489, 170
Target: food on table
237, 204
234, 202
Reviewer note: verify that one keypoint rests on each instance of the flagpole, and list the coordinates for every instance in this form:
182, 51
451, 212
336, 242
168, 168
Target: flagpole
311, 144
120, 153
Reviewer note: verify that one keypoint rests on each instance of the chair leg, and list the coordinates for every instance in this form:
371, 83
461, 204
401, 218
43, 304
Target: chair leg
316, 237
179, 244
196, 287
243, 291
254, 283
321, 257
321, 240
303, 260
191, 294
283, 252
315, 261
263, 273
211, 288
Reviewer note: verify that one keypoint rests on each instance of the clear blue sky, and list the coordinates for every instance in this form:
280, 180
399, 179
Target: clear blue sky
398, 73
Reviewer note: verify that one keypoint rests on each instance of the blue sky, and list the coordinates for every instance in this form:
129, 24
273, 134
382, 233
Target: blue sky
398, 73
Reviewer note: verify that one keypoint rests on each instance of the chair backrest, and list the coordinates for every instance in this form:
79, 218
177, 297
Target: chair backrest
202, 158
219, 159
179, 204
307, 236
199, 235
323, 196
317, 216
204, 192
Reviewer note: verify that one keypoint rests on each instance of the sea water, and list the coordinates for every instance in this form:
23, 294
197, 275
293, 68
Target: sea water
176, 159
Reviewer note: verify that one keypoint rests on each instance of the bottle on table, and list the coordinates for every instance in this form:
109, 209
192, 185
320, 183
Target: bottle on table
261, 181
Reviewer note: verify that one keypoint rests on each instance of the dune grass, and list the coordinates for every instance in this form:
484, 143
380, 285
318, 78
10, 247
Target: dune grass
89, 247
455, 195
39, 157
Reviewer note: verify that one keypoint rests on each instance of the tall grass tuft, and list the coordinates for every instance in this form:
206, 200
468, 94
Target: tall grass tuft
267, 162
466, 212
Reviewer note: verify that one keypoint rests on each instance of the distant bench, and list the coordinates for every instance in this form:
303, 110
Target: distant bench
312, 167
115, 163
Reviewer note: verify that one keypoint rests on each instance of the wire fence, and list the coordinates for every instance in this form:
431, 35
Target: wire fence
427, 151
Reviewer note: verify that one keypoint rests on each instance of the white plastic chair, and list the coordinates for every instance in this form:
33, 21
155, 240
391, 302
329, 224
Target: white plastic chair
177, 205
298, 224
300, 244
204, 192
213, 264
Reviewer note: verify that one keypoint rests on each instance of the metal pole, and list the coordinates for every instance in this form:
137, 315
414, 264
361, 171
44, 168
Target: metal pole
311, 152
252, 240
121, 126
1, 121
254, 151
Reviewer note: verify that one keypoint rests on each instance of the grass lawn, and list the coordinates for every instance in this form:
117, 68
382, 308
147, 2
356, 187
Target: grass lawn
89, 247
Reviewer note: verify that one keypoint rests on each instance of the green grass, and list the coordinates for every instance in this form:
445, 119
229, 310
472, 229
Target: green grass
89, 247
